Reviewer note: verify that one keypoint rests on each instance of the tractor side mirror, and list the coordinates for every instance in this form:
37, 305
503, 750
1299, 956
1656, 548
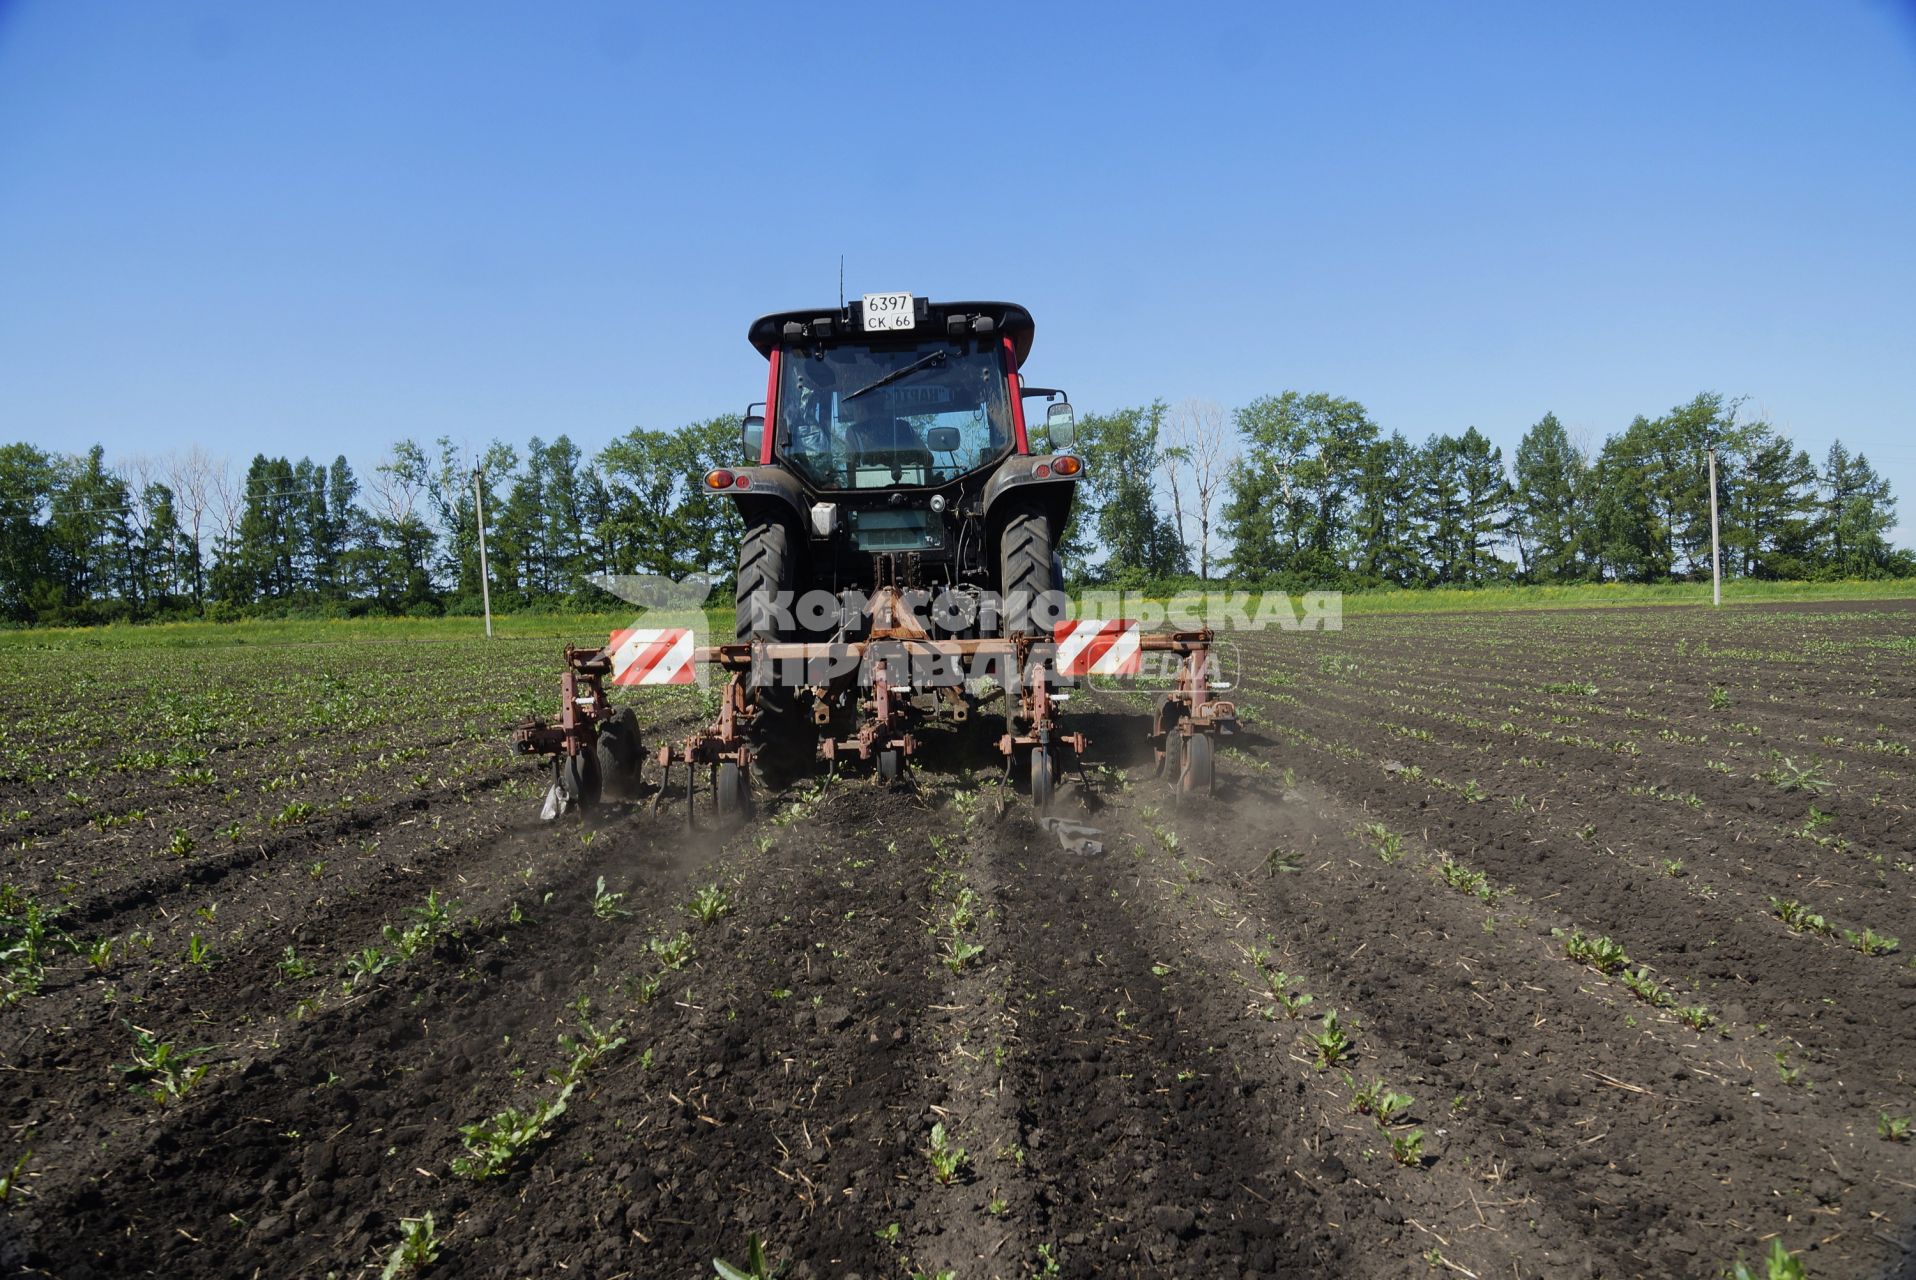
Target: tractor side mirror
752, 430
942, 439
1060, 424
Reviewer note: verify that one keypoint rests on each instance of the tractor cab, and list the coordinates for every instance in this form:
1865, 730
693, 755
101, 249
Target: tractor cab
894, 428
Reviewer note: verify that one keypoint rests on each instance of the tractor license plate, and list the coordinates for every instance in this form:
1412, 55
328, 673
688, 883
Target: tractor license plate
888, 311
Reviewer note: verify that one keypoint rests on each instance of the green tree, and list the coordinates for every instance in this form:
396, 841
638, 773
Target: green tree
1858, 513
643, 531
89, 535
1769, 508
29, 584
1120, 452
1551, 514
1289, 504
1383, 544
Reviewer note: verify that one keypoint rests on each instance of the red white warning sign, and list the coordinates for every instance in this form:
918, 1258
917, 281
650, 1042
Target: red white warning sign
652, 657
1089, 647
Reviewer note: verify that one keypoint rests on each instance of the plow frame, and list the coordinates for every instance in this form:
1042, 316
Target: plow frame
863, 674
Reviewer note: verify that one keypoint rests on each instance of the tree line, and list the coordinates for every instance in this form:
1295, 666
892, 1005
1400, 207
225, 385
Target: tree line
1293, 490
1307, 489
83, 542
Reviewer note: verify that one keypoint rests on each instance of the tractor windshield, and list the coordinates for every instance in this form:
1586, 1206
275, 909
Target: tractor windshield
887, 413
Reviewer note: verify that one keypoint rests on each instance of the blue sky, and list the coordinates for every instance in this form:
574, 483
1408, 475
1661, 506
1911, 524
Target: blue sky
315, 229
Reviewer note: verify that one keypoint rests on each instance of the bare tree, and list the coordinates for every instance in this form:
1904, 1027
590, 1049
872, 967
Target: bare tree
141, 473
195, 477
1173, 460
1198, 459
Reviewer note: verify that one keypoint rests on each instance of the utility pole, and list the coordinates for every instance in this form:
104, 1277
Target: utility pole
1716, 561
485, 577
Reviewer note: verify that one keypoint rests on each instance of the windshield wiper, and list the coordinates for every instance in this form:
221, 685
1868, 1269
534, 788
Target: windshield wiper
936, 357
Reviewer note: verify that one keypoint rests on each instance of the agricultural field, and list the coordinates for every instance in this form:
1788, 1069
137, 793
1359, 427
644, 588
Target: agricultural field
1531, 944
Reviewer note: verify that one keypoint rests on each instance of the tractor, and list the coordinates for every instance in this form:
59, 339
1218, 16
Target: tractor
898, 566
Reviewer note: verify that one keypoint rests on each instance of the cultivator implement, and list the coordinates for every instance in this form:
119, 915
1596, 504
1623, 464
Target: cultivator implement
867, 699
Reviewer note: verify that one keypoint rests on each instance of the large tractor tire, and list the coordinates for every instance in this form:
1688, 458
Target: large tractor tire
1027, 569
765, 569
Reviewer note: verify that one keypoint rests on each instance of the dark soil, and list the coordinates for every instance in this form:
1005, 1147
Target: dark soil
1418, 814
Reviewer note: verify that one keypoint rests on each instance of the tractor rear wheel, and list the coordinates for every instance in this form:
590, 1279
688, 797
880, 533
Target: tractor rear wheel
765, 571
1027, 571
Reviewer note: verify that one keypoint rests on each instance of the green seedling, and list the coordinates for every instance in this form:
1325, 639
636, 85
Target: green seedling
181, 843
1696, 1017
1392, 1107
1378, 1101
406, 943
198, 952
494, 1143
1294, 1003
418, 1248
963, 910
1600, 954
1048, 1261
1645, 988
1719, 699
1462, 878
756, 1265
365, 965
163, 1068
1870, 942
1786, 1073
295, 812
1673, 867
1389, 845
27, 938
959, 952
672, 953
291, 967
436, 916
586, 1051
606, 905
1778, 1264
947, 1159
1333, 1046
1791, 776
1892, 1128
10, 1180
1283, 862
1408, 1148
99, 954
1799, 918
708, 904
887, 1234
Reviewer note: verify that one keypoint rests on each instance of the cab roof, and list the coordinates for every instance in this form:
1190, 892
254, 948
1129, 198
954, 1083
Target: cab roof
932, 319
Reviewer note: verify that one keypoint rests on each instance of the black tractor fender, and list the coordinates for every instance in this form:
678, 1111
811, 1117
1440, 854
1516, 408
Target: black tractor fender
1016, 485
770, 493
